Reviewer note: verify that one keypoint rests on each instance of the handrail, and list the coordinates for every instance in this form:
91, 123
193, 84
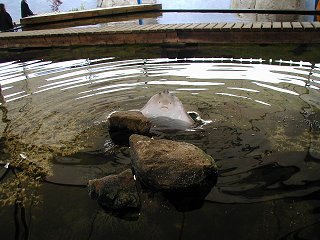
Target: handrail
259, 11
14, 29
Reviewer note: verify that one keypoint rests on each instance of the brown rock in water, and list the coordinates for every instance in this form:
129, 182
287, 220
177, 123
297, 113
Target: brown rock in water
125, 123
115, 191
131, 120
169, 165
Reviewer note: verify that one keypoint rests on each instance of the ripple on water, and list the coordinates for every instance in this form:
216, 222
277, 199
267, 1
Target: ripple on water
262, 116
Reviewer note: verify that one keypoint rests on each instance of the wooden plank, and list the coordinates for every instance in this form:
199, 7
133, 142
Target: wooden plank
191, 27
316, 25
107, 29
124, 27
210, 26
146, 27
172, 27
266, 25
156, 27
256, 26
165, 28
201, 27
183, 26
307, 26
286, 26
114, 29
247, 26
297, 26
146, 7
227, 27
128, 28
237, 27
218, 26
86, 30
277, 26
97, 12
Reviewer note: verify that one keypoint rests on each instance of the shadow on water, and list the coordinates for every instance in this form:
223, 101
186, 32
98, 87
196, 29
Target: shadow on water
263, 134
285, 51
192, 199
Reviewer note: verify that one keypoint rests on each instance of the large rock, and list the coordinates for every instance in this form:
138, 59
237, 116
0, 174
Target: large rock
115, 191
170, 166
123, 124
269, 5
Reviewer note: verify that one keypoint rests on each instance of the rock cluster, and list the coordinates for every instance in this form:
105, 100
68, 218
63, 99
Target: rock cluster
181, 171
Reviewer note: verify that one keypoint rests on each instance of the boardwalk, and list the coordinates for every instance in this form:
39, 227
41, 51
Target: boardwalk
259, 32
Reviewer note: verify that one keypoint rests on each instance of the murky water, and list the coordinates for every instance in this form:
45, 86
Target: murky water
264, 136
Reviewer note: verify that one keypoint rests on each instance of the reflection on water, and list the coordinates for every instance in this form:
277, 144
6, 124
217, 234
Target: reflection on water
264, 136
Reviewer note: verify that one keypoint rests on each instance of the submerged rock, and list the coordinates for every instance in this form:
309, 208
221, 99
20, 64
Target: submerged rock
171, 166
122, 124
115, 191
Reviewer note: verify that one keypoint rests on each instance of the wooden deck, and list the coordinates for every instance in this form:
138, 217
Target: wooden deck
92, 13
211, 33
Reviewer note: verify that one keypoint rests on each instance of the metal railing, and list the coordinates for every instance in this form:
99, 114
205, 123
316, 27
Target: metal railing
257, 11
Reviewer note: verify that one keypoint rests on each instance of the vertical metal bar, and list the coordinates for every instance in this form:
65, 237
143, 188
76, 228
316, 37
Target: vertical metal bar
317, 2
140, 20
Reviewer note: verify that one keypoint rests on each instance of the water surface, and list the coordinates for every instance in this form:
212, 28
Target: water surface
264, 136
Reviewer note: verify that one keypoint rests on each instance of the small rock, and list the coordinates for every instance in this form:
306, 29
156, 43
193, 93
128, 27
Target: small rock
123, 124
170, 166
115, 191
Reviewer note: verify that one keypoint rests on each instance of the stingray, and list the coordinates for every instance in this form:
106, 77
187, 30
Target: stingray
166, 110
